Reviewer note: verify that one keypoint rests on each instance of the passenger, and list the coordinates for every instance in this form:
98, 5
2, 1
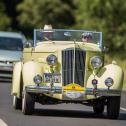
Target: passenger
87, 37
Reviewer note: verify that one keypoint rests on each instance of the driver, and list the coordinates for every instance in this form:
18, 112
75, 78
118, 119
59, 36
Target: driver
87, 37
48, 32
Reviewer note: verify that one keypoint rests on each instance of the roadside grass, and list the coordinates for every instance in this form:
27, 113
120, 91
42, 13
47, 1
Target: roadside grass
121, 62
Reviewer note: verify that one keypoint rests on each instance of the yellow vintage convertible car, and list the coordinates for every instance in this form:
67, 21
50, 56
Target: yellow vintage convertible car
67, 66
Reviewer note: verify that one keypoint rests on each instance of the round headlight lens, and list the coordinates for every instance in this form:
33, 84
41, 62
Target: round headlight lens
51, 59
96, 62
37, 79
109, 82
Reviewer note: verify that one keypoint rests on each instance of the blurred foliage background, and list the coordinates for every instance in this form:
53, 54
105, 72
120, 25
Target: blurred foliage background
107, 16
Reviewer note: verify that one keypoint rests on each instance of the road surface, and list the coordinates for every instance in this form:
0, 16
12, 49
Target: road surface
54, 115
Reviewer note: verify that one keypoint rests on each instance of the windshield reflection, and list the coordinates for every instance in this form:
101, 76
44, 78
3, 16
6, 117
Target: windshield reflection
13, 44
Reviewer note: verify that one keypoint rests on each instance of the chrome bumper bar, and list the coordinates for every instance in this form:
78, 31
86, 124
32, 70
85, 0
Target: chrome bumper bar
59, 90
103, 92
43, 89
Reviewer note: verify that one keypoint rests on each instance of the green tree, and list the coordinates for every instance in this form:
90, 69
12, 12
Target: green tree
4, 19
10, 10
36, 13
107, 16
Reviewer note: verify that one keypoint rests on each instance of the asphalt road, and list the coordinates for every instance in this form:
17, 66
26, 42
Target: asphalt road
54, 115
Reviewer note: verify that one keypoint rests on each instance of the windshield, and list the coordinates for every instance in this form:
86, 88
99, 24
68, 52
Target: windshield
13, 44
67, 35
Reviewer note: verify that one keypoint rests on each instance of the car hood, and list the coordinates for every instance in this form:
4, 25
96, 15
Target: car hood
58, 46
6, 55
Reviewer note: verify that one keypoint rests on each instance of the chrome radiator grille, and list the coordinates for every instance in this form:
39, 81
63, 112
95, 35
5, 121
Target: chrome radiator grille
73, 63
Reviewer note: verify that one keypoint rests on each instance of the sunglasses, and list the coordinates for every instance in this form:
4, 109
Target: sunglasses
87, 37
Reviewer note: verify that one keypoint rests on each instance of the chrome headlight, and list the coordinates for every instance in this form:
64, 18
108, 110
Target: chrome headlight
51, 59
96, 62
37, 79
109, 82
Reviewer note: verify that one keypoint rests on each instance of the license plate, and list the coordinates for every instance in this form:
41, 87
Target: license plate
73, 94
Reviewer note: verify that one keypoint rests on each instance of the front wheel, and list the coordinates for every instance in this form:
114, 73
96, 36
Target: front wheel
28, 104
98, 107
113, 107
17, 103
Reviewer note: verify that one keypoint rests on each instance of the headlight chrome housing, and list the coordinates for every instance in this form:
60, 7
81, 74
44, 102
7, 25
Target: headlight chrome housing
51, 59
37, 79
96, 62
109, 82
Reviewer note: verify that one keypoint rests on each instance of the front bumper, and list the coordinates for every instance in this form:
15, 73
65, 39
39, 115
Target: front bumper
86, 92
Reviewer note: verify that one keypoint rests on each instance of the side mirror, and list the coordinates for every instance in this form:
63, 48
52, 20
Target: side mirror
27, 45
105, 49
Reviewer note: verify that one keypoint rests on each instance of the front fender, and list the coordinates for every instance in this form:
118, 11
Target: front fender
16, 79
112, 70
31, 69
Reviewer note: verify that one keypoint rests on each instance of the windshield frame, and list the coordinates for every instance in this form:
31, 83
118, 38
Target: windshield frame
41, 30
